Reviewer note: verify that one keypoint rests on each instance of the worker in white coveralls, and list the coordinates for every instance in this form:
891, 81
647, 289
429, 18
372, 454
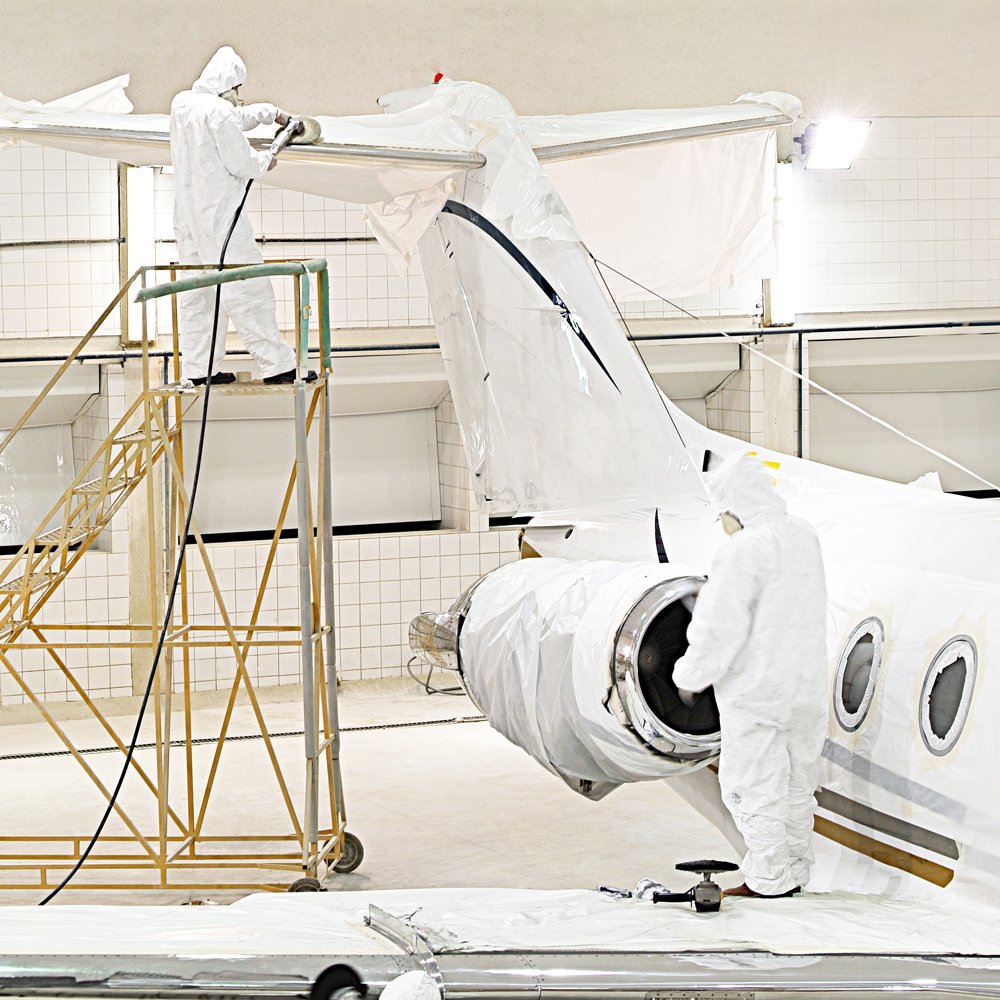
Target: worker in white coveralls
212, 162
758, 637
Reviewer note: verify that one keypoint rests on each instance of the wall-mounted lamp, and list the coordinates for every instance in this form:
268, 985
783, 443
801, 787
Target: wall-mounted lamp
832, 144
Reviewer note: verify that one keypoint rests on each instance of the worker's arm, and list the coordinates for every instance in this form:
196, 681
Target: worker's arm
723, 615
237, 155
252, 115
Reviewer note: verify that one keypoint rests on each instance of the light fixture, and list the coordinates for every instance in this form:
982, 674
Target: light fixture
832, 144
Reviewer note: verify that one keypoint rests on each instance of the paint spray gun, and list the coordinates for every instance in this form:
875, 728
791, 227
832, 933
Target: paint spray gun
300, 131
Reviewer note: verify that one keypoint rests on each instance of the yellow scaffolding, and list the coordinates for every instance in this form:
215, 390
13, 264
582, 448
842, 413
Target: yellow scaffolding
178, 853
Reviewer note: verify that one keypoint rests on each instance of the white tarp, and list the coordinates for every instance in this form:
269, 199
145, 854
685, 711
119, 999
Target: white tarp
505, 919
535, 357
680, 219
537, 651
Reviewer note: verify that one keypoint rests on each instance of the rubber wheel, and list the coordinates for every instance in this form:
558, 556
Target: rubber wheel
351, 856
306, 885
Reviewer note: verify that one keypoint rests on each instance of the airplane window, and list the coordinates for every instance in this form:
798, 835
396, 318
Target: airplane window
947, 695
857, 673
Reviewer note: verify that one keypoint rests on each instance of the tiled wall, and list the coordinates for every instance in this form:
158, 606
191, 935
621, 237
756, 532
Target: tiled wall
381, 583
47, 195
914, 224
736, 407
457, 500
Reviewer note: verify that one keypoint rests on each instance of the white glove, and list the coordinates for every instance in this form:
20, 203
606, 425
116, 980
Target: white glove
687, 697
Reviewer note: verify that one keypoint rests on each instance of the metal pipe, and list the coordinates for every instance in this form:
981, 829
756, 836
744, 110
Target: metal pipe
801, 393
263, 239
329, 606
517, 975
41, 244
213, 278
309, 825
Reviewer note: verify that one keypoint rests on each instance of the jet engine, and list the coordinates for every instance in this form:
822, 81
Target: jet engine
572, 661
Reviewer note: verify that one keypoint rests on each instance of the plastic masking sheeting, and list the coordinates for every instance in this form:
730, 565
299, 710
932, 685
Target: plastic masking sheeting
537, 649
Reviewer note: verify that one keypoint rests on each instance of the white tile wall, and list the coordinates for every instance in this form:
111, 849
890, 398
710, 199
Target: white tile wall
914, 224
457, 500
737, 406
47, 195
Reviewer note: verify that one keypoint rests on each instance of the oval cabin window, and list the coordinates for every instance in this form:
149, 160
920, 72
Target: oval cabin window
857, 673
947, 695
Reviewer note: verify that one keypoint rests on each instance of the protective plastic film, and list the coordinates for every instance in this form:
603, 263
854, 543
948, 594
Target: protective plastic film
556, 407
536, 653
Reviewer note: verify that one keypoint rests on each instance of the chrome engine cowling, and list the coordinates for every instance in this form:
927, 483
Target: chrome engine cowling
652, 638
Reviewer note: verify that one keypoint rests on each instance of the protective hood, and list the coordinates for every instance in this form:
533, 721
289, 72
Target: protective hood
224, 71
743, 486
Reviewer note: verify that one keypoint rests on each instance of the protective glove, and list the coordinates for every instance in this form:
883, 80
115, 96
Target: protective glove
687, 697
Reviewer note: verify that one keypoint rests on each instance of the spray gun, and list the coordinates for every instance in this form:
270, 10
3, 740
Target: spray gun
300, 131
286, 135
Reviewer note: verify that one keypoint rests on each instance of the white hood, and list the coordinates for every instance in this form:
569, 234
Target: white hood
224, 71
742, 486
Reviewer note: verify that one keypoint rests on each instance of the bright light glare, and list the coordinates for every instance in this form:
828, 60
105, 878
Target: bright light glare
835, 143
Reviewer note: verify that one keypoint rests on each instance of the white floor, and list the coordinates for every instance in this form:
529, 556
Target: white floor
446, 805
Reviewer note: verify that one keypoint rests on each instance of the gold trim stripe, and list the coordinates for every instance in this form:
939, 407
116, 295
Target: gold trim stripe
895, 857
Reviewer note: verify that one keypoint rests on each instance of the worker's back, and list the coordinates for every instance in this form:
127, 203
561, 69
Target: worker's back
782, 667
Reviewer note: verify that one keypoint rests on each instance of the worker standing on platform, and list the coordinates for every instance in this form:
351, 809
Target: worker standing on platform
213, 161
758, 637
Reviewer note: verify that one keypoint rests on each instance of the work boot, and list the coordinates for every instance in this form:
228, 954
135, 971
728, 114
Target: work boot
219, 378
287, 378
745, 890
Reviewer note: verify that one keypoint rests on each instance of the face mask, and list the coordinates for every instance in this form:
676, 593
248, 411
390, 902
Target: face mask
232, 95
730, 523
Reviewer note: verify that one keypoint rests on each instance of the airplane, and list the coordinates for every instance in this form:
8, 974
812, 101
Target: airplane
569, 655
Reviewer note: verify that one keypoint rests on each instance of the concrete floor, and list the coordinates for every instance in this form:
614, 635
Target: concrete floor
435, 805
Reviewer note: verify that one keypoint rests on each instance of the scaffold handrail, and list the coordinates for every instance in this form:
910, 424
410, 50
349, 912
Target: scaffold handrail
207, 280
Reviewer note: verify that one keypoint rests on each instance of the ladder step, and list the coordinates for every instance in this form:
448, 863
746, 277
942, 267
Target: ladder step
66, 536
36, 581
134, 438
98, 485
139, 437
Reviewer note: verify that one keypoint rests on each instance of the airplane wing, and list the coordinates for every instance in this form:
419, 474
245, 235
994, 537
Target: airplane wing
561, 137
357, 159
681, 199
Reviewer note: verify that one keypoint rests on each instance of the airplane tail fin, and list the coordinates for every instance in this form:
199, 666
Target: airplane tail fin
556, 407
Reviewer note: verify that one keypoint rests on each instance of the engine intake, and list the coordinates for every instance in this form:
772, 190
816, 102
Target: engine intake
652, 638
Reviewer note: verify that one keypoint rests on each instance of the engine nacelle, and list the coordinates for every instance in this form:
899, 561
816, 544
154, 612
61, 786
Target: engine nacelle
572, 661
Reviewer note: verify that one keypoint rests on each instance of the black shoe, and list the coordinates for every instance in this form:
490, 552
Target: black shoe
287, 378
219, 378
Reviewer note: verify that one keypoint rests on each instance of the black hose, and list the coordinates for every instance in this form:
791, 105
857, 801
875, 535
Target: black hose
168, 614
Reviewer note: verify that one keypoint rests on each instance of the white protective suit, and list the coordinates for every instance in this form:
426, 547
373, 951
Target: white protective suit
212, 163
758, 637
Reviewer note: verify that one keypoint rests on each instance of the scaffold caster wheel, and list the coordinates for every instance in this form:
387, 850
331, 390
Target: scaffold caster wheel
351, 856
306, 885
